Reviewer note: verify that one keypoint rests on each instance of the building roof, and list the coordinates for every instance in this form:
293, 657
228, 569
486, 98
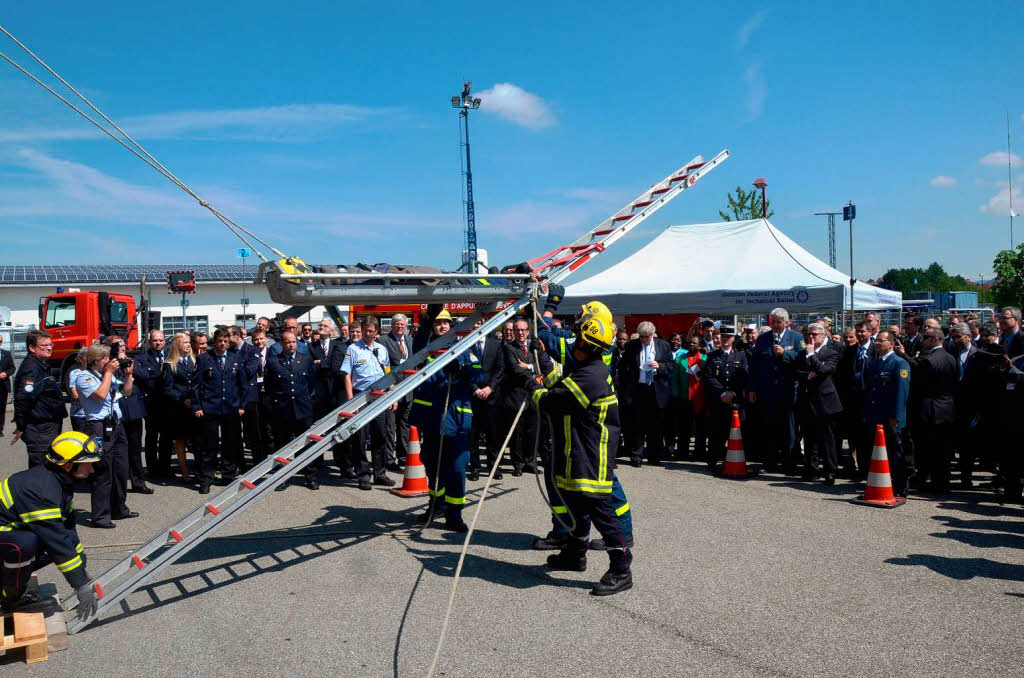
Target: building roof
120, 273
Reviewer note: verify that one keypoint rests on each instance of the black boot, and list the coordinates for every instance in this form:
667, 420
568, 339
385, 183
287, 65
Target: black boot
613, 582
552, 542
599, 545
455, 524
569, 562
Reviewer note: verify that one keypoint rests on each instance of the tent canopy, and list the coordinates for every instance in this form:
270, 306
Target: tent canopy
732, 267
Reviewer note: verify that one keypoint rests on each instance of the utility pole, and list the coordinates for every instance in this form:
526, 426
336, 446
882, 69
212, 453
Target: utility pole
831, 235
465, 103
849, 213
1009, 176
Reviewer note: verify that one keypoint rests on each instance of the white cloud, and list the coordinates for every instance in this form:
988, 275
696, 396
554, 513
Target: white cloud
517, 105
942, 181
754, 80
998, 159
529, 218
289, 123
747, 29
999, 204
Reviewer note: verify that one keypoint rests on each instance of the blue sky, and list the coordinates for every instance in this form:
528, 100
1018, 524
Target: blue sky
326, 127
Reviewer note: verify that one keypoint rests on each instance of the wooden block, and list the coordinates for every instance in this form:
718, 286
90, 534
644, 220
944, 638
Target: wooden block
28, 626
36, 653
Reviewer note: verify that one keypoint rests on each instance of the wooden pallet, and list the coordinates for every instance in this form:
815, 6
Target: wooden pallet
26, 630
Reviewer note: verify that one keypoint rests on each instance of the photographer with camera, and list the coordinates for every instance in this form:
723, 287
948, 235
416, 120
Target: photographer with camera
99, 390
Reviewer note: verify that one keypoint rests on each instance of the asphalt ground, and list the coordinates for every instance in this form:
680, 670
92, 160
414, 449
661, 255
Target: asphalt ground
765, 577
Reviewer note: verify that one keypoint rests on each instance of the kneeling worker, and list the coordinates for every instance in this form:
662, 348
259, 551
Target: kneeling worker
37, 522
586, 443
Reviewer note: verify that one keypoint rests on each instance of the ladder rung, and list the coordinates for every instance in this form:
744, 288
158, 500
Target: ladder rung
439, 351
696, 165
177, 535
314, 437
408, 372
282, 461
213, 509
138, 562
642, 203
346, 415
679, 177
623, 217
659, 191
378, 394
603, 231
98, 588
248, 484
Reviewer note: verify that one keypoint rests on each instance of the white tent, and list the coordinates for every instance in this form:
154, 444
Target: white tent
733, 267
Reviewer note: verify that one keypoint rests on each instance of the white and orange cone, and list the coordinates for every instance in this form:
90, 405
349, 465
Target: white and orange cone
878, 491
415, 482
735, 465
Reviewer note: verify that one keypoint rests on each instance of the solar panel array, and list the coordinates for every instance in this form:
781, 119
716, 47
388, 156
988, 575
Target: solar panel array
109, 273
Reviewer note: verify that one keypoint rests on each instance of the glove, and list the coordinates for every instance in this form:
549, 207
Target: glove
86, 602
555, 294
433, 310
536, 346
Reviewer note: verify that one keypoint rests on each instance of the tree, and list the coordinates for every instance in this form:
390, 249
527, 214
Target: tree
746, 205
1008, 267
933, 278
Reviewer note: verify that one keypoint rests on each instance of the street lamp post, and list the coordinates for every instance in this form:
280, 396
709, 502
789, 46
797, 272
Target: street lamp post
849, 213
762, 184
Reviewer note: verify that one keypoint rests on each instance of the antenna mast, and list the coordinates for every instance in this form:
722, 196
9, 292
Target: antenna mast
465, 103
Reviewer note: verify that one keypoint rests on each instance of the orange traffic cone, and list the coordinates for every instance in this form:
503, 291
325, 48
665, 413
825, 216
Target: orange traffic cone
878, 491
415, 482
735, 460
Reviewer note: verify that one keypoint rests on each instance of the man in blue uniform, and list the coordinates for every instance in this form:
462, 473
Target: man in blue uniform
365, 362
38, 400
290, 383
584, 404
220, 388
37, 522
445, 432
149, 382
887, 380
249, 357
726, 374
772, 390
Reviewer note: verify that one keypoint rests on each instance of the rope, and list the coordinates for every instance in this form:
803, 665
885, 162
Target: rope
141, 153
465, 545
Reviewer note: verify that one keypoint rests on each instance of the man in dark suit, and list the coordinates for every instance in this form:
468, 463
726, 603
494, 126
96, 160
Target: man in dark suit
6, 371
326, 382
850, 379
149, 382
912, 338
290, 382
726, 385
936, 374
773, 390
819, 403
398, 342
1011, 338
518, 369
645, 384
488, 353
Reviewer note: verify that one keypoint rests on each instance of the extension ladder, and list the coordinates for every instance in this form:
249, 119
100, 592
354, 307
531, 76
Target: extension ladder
180, 537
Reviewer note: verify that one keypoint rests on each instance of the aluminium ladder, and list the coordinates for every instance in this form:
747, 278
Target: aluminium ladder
177, 539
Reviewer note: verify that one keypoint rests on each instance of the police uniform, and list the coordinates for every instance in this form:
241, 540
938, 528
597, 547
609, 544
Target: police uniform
585, 421
773, 379
37, 527
445, 434
559, 345
252, 430
725, 372
887, 382
290, 383
366, 364
220, 386
103, 422
148, 372
38, 407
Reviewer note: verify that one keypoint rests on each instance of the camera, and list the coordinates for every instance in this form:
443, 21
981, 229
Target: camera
115, 351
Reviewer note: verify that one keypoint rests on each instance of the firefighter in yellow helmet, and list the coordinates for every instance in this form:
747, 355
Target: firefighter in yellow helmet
37, 522
585, 420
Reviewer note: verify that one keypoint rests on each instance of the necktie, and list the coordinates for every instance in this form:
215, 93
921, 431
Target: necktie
263, 358
222, 362
401, 346
323, 346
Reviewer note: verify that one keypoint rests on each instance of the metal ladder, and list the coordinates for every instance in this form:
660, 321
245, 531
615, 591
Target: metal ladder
180, 537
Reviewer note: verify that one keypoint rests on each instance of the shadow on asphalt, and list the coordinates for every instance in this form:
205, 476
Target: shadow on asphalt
963, 568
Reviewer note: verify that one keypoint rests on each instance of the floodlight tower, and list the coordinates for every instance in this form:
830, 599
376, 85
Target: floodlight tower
831, 235
465, 103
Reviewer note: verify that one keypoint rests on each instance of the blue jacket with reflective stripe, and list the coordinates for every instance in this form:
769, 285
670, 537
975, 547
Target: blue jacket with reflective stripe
466, 376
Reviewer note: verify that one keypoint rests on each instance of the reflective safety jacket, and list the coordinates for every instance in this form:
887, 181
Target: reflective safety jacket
40, 500
585, 421
466, 376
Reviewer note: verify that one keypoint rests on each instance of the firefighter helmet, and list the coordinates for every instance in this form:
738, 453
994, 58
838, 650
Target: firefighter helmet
593, 333
73, 447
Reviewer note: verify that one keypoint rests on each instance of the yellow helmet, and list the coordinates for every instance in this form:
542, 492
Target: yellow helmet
598, 309
594, 332
443, 315
73, 447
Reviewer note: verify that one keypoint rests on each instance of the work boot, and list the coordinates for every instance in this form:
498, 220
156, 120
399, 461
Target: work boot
599, 545
568, 562
613, 582
552, 542
429, 514
455, 524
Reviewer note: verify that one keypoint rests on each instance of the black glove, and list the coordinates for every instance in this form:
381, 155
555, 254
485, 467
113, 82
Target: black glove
536, 346
555, 294
86, 602
434, 310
